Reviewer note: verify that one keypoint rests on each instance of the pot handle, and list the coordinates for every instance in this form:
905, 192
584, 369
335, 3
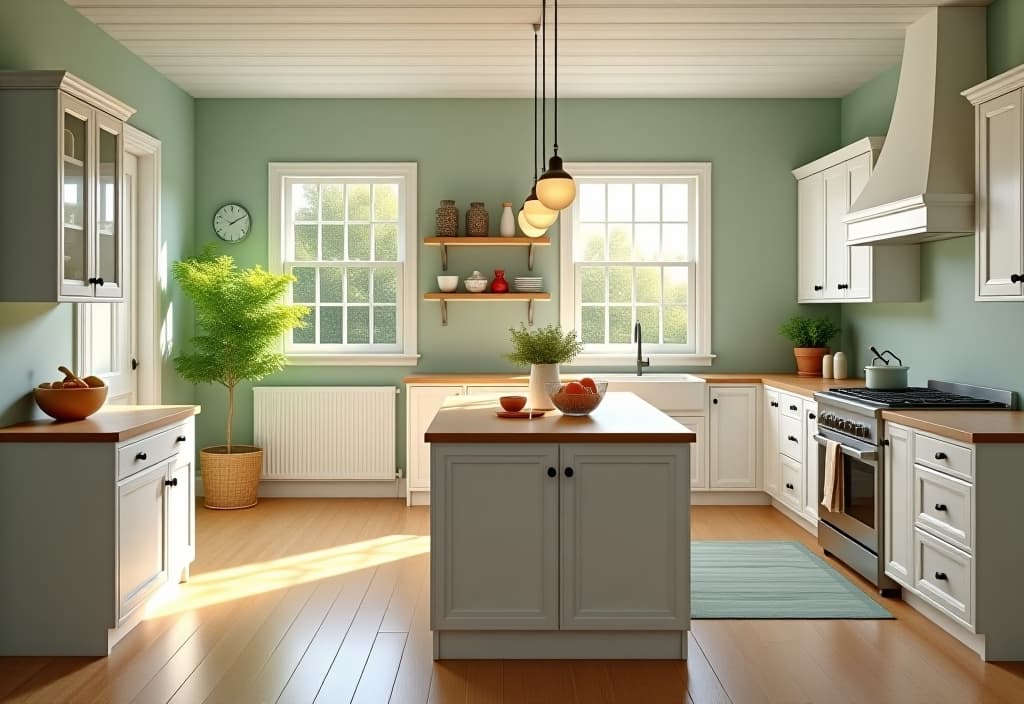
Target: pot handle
881, 356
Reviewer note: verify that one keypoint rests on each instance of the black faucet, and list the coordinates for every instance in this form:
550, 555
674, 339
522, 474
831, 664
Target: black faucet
640, 361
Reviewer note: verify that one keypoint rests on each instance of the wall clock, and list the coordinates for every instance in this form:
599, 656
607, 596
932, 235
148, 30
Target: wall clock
231, 222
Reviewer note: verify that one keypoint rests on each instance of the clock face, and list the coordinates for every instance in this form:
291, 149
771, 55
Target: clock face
231, 222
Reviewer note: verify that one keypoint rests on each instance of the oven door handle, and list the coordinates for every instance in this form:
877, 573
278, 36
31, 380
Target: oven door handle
868, 456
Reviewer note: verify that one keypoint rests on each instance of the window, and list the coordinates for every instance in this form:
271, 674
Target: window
635, 248
345, 232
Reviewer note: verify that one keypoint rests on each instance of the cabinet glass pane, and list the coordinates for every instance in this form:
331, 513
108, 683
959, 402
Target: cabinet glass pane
75, 136
108, 207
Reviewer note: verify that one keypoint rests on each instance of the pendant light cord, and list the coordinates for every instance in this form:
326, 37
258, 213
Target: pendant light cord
556, 80
535, 31
544, 77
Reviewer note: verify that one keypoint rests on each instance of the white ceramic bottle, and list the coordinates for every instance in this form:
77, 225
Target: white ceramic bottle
839, 365
508, 220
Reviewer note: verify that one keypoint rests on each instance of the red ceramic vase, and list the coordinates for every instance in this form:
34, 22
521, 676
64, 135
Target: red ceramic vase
499, 285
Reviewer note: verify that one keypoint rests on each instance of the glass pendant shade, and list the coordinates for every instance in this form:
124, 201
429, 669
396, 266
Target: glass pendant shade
528, 229
555, 188
538, 214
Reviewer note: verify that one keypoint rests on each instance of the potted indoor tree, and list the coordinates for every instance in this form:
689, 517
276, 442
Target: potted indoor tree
241, 318
810, 337
543, 349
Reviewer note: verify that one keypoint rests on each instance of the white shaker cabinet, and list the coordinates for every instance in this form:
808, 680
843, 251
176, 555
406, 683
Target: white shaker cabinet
771, 442
999, 180
732, 436
898, 517
698, 450
811, 468
829, 270
422, 404
61, 219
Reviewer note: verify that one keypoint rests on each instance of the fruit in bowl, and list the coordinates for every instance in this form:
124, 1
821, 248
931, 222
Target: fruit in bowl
576, 398
71, 398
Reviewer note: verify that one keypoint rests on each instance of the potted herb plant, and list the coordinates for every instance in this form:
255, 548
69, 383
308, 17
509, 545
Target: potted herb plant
241, 318
543, 349
810, 337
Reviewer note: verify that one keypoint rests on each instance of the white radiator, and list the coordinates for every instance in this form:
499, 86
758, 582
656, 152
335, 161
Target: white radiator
324, 432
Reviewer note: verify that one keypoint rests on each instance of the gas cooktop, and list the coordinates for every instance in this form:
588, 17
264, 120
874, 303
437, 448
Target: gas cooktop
937, 394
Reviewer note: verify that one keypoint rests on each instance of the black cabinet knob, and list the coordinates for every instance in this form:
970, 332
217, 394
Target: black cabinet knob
843, 287
135, 364
819, 287
792, 439
789, 486
141, 456
568, 471
942, 576
774, 404
552, 472
940, 455
171, 482
792, 407
714, 401
1016, 278
97, 281
181, 438
941, 507
811, 416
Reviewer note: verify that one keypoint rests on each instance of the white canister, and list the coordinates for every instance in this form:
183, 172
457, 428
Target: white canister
508, 221
839, 365
826, 367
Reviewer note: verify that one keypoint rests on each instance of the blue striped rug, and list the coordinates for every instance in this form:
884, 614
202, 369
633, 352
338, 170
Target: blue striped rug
771, 579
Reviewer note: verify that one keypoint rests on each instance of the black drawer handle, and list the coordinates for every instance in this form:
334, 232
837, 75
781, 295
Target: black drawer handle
792, 439
843, 287
1016, 278
790, 486
171, 482
774, 404
141, 456
942, 576
940, 455
941, 507
793, 408
819, 287
181, 438
811, 416
552, 472
568, 471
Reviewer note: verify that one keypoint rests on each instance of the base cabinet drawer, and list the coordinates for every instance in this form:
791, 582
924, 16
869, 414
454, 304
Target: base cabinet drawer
791, 431
944, 456
135, 456
942, 505
944, 576
791, 481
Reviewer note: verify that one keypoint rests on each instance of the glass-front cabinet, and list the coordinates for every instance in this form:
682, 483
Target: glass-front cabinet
81, 257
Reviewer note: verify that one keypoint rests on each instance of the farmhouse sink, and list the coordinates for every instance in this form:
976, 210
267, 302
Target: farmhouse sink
668, 392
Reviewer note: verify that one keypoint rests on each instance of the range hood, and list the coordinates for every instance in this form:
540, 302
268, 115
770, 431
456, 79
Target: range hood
922, 187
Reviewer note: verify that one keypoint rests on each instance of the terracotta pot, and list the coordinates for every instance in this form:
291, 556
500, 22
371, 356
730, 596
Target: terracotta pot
230, 480
808, 360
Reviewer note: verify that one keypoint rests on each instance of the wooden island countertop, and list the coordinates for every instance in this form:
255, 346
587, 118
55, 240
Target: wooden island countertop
621, 418
109, 424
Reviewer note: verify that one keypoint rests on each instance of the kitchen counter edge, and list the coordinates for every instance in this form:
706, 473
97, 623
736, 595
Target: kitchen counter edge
113, 424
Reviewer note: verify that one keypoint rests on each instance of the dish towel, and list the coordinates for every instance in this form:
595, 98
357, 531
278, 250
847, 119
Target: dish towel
833, 486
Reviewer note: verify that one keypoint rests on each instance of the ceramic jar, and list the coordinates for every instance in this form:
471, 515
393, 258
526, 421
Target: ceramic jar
839, 365
447, 223
477, 283
508, 221
477, 220
499, 285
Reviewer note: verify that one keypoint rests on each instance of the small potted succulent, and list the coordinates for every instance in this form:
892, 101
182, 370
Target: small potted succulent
543, 349
810, 338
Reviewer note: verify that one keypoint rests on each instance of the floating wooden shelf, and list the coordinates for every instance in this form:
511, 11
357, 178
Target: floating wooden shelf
530, 298
493, 241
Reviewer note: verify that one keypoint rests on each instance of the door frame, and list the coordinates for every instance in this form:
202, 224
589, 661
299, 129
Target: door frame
150, 273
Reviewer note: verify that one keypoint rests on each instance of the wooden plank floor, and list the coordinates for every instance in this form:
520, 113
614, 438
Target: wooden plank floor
325, 600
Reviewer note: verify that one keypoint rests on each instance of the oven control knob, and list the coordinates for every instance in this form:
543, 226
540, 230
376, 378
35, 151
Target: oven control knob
862, 431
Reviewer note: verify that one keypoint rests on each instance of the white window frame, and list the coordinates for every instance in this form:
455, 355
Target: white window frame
699, 329
281, 174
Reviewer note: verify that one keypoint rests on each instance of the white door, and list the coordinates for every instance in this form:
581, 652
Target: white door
181, 519
899, 504
837, 266
771, 442
140, 537
423, 404
109, 330
810, 243
698, 450
858, 171
811, 469
732, 435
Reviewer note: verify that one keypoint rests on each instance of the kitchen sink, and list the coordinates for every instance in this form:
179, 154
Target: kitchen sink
668, 392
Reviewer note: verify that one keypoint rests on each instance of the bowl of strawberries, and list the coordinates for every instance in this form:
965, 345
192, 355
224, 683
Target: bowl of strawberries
576, 398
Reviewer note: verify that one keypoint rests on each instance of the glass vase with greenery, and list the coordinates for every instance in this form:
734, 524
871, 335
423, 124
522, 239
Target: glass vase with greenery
810, 338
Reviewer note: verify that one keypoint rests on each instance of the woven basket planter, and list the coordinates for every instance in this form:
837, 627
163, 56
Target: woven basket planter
230, 481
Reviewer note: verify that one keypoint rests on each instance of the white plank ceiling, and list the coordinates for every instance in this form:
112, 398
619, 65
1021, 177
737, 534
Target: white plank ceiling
484, 48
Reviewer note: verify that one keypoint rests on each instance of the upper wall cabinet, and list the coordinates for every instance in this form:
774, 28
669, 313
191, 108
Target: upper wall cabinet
999, 138
829, 270
62, 142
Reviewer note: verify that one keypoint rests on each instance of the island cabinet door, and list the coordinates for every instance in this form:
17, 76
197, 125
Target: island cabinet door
494, 536
625, 536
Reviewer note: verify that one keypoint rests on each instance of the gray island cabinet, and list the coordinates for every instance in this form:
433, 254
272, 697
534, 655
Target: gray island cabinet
559, 537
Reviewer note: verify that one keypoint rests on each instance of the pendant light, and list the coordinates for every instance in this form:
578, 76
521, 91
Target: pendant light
537, 215
556, 189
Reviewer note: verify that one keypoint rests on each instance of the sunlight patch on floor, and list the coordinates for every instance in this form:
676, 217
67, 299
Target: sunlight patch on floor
243, 581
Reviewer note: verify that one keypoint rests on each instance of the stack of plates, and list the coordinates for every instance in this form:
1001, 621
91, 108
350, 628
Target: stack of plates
529, 283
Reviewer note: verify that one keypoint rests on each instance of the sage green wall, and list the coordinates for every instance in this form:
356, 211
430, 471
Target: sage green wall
866, 111
947, 335
48, 34
480, 150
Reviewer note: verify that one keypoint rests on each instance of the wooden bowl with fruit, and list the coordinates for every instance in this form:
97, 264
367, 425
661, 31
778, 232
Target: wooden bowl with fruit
71, 398
576, 398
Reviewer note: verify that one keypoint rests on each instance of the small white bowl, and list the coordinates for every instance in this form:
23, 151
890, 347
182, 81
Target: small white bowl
447, 283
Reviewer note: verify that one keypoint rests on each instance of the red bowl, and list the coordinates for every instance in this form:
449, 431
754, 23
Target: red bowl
512, 403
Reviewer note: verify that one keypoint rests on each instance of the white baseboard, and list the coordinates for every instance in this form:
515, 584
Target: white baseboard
389, 489
418, 497
729, 498
798, 518
974, 641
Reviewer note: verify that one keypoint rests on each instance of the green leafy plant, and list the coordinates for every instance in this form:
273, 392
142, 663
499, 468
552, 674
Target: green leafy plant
241, 317
803, 331
547, 345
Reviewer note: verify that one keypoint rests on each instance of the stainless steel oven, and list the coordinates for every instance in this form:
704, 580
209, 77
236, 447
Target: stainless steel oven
861, 514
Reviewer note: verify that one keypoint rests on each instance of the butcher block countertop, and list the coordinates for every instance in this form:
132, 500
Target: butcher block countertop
621, 418
965, 426
110, 424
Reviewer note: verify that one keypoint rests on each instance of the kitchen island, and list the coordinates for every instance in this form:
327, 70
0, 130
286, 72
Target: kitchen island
559, 537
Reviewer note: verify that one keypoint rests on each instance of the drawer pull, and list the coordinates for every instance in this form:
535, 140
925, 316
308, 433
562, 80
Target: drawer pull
568, 471
942, 576
790, 486
141, 456
552, 472
792, 408
171, 482
181, 438
811, 416
774, 404
941, 507
940, 455
792, 439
